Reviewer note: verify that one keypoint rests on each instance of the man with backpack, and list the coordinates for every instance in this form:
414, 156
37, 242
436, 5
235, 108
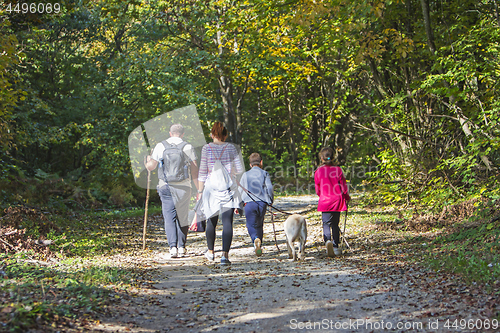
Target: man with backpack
176, 161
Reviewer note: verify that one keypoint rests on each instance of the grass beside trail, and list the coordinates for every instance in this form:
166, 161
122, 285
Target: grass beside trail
472, 251
471, 248
467, 248
70, 283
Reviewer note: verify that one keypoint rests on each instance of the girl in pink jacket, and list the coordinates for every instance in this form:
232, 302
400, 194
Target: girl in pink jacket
331, 187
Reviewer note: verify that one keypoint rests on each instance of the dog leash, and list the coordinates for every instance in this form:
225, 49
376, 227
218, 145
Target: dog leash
251, 195
274, 231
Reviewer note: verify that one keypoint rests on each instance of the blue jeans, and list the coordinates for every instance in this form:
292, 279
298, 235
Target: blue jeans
255, 213
331, 227
173, 203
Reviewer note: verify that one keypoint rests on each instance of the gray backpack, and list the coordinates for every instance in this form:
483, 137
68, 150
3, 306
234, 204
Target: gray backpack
174, 164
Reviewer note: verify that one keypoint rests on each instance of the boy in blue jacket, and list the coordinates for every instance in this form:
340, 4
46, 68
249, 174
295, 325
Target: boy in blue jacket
258, 183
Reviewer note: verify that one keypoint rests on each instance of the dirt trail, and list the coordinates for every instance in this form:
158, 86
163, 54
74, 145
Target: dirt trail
273, 294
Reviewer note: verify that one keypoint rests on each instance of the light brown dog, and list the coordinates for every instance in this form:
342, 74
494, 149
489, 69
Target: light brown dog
295, 231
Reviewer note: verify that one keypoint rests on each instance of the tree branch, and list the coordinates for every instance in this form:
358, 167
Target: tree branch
387, 129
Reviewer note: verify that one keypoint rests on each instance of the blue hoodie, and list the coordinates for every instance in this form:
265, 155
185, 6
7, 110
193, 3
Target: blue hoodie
258, 182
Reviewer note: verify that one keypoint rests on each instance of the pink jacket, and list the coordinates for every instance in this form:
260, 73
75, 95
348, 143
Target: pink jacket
332, 189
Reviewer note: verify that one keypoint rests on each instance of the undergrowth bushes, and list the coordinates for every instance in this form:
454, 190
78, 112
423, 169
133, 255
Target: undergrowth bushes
472, 248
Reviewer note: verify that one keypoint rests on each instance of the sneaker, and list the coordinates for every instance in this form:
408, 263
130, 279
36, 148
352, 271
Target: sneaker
173, 252
257, 244
181, 251
337, 251
224, 261
210, 256
329, 249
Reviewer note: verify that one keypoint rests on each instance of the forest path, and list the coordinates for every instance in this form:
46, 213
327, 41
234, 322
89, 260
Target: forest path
273, 294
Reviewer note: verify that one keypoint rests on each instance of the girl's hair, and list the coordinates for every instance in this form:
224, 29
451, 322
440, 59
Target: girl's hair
219, 131
326, 156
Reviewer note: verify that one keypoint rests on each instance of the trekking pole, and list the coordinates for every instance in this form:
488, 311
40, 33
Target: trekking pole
146, 214
274, 230
343, 232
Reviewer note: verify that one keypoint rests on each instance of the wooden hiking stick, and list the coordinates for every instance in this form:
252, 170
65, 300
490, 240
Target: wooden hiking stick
146, 214
274, 230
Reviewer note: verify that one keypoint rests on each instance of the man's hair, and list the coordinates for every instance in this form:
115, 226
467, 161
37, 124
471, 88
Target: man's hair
219, 131
255, 159
177, 129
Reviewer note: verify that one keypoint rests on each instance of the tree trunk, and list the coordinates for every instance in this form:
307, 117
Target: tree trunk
428, 26
231, 118
344, 136
239, 112
226, 92
291, 139
464, 123
376, 78
495, 3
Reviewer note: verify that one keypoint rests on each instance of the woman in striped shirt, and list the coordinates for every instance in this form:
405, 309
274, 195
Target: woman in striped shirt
219, 188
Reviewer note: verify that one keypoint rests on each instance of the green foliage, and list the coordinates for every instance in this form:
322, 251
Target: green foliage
10, 95
389, 179
287, 78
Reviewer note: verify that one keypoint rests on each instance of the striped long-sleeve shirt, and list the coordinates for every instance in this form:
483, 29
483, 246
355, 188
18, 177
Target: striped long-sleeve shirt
226, 153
